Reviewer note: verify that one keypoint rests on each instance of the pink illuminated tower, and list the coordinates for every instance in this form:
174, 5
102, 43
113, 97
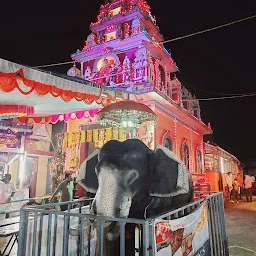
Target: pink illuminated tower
124, 51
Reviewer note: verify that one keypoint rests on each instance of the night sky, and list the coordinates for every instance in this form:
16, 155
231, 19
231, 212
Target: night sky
211, 65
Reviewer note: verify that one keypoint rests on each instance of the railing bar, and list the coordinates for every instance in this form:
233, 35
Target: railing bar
213, 227
49, 233
210, 226
122, 238
194, 205
220, 226
40, 234
65, 236
152, 237
23, 232
217, 216
145, 235
217, 225
69, 207
223, 226
90, 216
57, 204
34, 234
55, 232
101, 238
82, 237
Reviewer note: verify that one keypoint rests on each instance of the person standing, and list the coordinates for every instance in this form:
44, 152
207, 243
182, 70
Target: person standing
240, 182
66, 191
235, 190
248, 188
7, 189
229, 182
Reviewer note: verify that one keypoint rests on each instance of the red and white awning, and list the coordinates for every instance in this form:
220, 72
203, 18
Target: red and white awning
51, 95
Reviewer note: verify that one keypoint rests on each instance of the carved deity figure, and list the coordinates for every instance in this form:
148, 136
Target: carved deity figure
135, 26
105, 67
126, 69
87, 73
140, 58
127, 63
90, 40
126, 30
103, 75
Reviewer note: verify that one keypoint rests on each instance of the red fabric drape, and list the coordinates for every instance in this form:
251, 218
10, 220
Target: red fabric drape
9, 82
28, 110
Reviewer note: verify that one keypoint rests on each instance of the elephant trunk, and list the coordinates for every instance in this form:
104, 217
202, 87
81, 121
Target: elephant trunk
114, 234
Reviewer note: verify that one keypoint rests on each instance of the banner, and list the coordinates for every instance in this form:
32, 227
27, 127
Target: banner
10, 141
186, 236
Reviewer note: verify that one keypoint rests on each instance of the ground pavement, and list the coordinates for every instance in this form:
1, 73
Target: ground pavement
241, 227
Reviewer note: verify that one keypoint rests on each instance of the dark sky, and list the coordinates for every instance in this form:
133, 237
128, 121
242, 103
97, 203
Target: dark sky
212, 64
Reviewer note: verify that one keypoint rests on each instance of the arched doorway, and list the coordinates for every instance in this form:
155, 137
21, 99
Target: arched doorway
167, 141
185, 153
199, 163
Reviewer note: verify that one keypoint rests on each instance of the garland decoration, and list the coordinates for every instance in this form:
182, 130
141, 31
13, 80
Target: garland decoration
72, 139
57, 166
10, 81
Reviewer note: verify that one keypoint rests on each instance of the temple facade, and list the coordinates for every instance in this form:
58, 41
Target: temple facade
125, 52
122, 59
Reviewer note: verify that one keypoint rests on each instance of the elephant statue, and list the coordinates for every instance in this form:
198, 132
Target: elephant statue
131, 181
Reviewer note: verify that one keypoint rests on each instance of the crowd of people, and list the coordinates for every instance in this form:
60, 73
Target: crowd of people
236, 185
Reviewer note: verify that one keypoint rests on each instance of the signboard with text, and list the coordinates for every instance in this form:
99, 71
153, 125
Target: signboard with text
10, 141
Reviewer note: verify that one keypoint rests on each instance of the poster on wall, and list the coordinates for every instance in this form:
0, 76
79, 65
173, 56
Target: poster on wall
186, 236
10, 141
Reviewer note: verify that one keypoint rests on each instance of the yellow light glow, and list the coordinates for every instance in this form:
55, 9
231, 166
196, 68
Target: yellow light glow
116, 11
111, 36
101, 61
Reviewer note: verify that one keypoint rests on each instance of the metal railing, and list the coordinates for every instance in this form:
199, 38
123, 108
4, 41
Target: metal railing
44, 230
10, 205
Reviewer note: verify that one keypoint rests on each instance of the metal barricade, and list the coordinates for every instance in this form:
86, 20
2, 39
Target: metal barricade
44, 230
35, 218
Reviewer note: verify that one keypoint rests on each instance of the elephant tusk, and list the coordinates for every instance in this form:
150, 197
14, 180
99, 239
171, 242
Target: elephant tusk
145, 212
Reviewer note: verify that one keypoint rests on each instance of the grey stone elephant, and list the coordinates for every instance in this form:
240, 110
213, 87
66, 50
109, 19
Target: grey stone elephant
130, 180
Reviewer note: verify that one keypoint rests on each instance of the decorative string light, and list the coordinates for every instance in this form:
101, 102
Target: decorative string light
126, 114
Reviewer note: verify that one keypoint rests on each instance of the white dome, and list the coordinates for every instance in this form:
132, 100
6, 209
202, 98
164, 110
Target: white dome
74, 71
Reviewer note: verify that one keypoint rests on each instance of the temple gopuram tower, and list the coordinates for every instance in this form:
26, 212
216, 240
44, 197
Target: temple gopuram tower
124, 51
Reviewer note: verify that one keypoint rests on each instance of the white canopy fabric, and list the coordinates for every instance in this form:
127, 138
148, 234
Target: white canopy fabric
46, 105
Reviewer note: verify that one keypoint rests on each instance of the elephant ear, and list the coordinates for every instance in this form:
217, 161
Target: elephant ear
87, 174
170, 176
